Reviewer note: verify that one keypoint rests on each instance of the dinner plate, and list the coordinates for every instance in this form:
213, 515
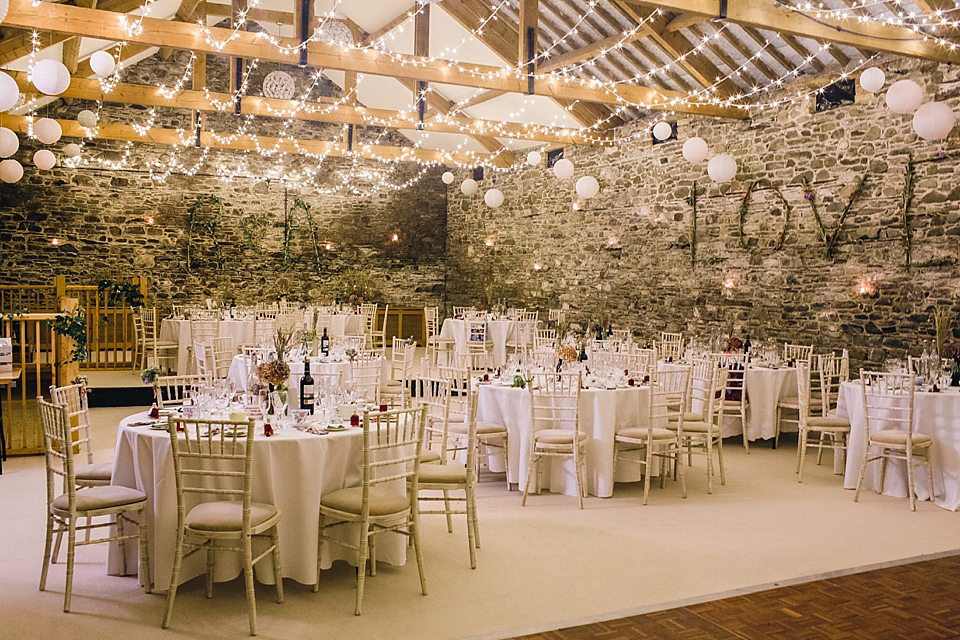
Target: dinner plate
336, 427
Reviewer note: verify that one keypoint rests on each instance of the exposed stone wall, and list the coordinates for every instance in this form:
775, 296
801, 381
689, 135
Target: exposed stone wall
100, 214
795, 293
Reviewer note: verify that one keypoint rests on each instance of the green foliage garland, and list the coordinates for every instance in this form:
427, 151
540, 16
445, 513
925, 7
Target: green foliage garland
119, 292
745, 204
300, 204
254, 229
905, 199
692, 201
73, 325
830, 239
288, 227
210, 226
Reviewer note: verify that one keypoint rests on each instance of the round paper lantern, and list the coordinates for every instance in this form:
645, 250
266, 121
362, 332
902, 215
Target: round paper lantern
47, 130
4, 5
71, 150
695, 150
662, 130
51, 77
102, 63
87, 119
9, 92
469, 187
10, 171
563, 169
872, 79
904, 96
44, 159
722, 168
934, 121
9, 142
447, 177
493, 198
533, 158
587, 187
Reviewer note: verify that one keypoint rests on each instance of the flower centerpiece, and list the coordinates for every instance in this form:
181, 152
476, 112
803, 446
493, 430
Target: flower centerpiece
350, 353
951, 353
734, 345
151, 376
275, 374
567, 353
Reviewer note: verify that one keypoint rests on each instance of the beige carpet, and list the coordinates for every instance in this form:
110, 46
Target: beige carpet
543, 566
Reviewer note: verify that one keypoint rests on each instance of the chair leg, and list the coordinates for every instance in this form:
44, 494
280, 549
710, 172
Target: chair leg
248, 581
801, 441
121, 544
320, 538
145, 551
709, 446
56, 546
446, 506
648, 457
71, 548
418, 549
211, 558
723, 475
911, 487
174, 579
802, 453
373, 555
471, 524
863, 471
576, 470
534, 460
933, 494
820, 448
362, 563
679, 468
46, 552
743, 424
883, 470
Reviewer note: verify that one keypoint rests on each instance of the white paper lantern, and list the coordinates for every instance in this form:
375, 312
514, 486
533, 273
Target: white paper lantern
662, 130
587, 187
47, 130
695, 150
904, 96
533, 158
563, 169
493, 198
9, 92
934, 121
87, 119
9, 142
4, 6
102, 63
722, 168
44, 159
447, 177
872, 79
10, 171
51, 77
469, 187
71, 150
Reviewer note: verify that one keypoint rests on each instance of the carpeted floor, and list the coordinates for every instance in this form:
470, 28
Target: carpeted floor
542, 567
919, 600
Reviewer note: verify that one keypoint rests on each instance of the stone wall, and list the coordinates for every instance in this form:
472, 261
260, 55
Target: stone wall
646, 281
100, 215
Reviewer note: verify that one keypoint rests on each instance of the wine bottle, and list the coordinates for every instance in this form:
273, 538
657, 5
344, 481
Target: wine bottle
306, 387
233, 308
325, 343
746, 344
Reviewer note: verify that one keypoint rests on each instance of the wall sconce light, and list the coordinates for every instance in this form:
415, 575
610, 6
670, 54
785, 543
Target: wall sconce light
489, 241
613, 242
729, 284
576, 204
329, 246
395, 237
55, 241
865, 287
537, 266
148, 219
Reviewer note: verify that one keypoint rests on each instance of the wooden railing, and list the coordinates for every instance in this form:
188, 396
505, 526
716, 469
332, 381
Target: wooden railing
35, 298
403, 322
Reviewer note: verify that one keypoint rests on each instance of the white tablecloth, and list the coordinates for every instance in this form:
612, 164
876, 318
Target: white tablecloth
179, 331
290, 470
239, 372
936, 415
341, 324
602, 413
498, 333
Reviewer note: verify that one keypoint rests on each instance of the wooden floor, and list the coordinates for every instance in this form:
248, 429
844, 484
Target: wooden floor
915, 601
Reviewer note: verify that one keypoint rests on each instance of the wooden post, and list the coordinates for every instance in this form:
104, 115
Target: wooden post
421, 47
60, 286
64, 371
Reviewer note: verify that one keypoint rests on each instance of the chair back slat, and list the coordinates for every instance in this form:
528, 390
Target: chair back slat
554, 400
74, 398
888, 400
174, 390
391, 439
366, 372
58, 450
668, 396
434, 397
797, 351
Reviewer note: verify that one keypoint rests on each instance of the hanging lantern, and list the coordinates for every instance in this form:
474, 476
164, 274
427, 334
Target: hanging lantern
71, 150
47, 130
9, 92
44, 159
9, 142
102, 63
587, 187
10, 171
904, 96
533, 158
447, 177
50, 77
87, 119
662, 130
469, 187
493, 198
4, 7
872, 79
934, 121
695, 150
722, 168
563, 169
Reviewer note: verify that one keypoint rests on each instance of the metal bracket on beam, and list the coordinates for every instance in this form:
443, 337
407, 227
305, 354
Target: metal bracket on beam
723, 12
421, 103
304, 31
349, 138
238, 79
199, 127
530, 42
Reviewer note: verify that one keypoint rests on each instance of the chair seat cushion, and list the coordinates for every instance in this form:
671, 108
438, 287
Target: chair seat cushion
450, 473
828, 422
899, 438
395, 384
101, 472
382, 503
731, 404
639, 433
224, 515
688, 416
557, 436
429, 457
697, 426
100, 498
483, 428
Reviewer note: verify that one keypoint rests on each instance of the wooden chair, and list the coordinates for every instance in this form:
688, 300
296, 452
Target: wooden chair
463, 312
215, 458
203, 360
392, 442
434, 343
203, 331
655, 440
368, 316
792, 403
65, 509
733, 399
670, 345
555, 404
264, 328
701, 433
833, 430
174, 390
401, 373
474, 351
148, 343
223, 353
797, 351
556, 316
889, 398
356, 343
523, 334
366, 374
378, 336
74, 398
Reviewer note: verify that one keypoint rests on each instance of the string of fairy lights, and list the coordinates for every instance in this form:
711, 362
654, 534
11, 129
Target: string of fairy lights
581, 73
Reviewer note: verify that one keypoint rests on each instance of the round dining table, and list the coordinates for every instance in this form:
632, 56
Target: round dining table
291, 470
499, 332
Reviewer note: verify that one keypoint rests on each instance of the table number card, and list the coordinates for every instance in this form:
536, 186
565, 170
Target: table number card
6, 354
